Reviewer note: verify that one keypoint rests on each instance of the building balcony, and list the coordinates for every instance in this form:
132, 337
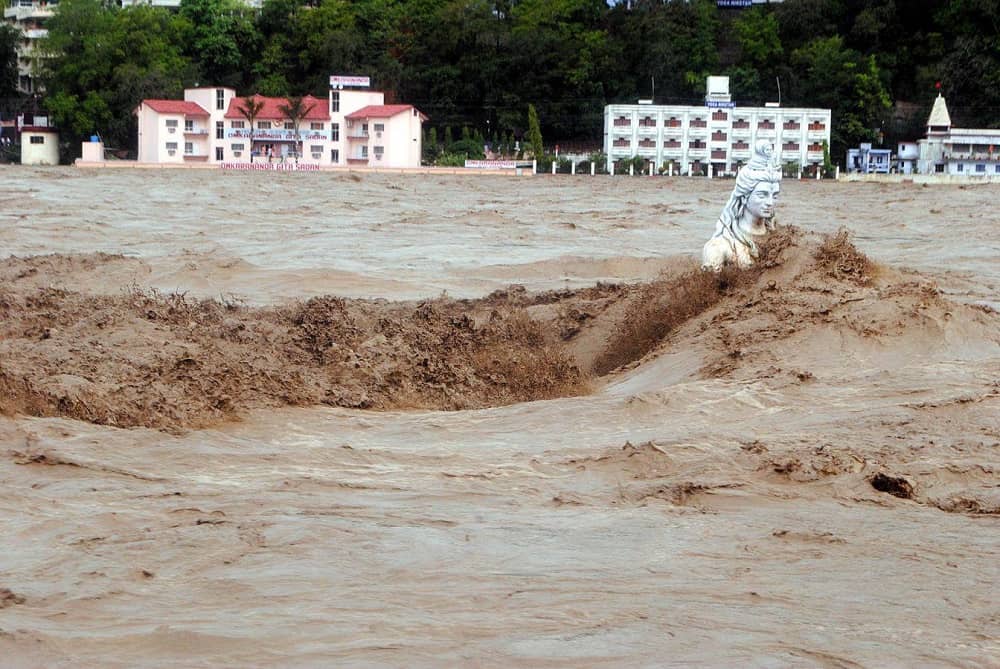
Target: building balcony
812, 156
195, 157
673, 131
740, 132
697, 153
196, 133
358, 136
647, 129
694, 130
791, 155
816, 134
739, 154
768, 133
962, 155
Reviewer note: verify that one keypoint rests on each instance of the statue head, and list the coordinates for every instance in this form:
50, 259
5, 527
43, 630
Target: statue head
751, 206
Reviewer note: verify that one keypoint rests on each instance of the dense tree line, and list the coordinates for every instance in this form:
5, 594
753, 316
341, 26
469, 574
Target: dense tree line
480, 63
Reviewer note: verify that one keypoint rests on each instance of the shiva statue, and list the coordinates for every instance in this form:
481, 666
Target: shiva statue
748, 214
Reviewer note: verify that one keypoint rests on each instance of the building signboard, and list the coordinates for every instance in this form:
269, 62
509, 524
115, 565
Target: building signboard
719, 104
343, 80
278, 135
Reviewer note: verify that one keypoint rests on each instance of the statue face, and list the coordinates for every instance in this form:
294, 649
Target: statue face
760, 202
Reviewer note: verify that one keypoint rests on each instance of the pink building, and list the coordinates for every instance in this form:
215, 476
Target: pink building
353, 126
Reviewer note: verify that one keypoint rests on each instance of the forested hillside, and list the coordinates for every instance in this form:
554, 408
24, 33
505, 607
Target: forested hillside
480, 63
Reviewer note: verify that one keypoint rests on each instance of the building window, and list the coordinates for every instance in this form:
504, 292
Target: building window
171, 146
335, 156
237, 124
289, 125
980, 168
791, 125
379, 151
698, 123
188, 147
364, 129
219, 154
220, 98
334, 101
765, 125
316, 126
263, 125
171, 124
188, 125
939, 168
672, 122
335, 132
718, 136
237, 147
379, 127
220, 131
316, 148
996, 168
719, 116
38, 139
961, 167
364, 151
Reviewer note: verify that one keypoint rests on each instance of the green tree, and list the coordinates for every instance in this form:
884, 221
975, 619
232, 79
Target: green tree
250, 108
103, 61
535, 133
757, 34
222, 40
296, 109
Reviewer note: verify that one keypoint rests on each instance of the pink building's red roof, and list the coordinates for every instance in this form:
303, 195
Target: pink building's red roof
176, 107
379, 111
271, 110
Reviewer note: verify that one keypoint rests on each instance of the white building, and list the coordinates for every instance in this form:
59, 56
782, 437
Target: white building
352, 126
29, 16
957, 151
39, 145
718, 133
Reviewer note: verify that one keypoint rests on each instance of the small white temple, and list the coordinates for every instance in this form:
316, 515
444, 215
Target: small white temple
957, 151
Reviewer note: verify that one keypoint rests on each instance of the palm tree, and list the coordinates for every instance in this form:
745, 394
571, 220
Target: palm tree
295, 110
250, 109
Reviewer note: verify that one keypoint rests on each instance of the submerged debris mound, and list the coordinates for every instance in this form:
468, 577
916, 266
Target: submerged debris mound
166, 361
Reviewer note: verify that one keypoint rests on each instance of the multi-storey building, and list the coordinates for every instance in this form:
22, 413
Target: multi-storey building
29, 16
718, 134
957, 151
352, 126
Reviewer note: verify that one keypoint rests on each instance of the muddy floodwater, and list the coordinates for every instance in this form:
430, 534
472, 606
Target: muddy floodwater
208, 458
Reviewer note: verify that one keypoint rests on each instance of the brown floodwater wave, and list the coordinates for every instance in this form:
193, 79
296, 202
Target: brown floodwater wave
794, 466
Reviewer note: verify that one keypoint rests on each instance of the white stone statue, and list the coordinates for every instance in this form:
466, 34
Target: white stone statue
748, 214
